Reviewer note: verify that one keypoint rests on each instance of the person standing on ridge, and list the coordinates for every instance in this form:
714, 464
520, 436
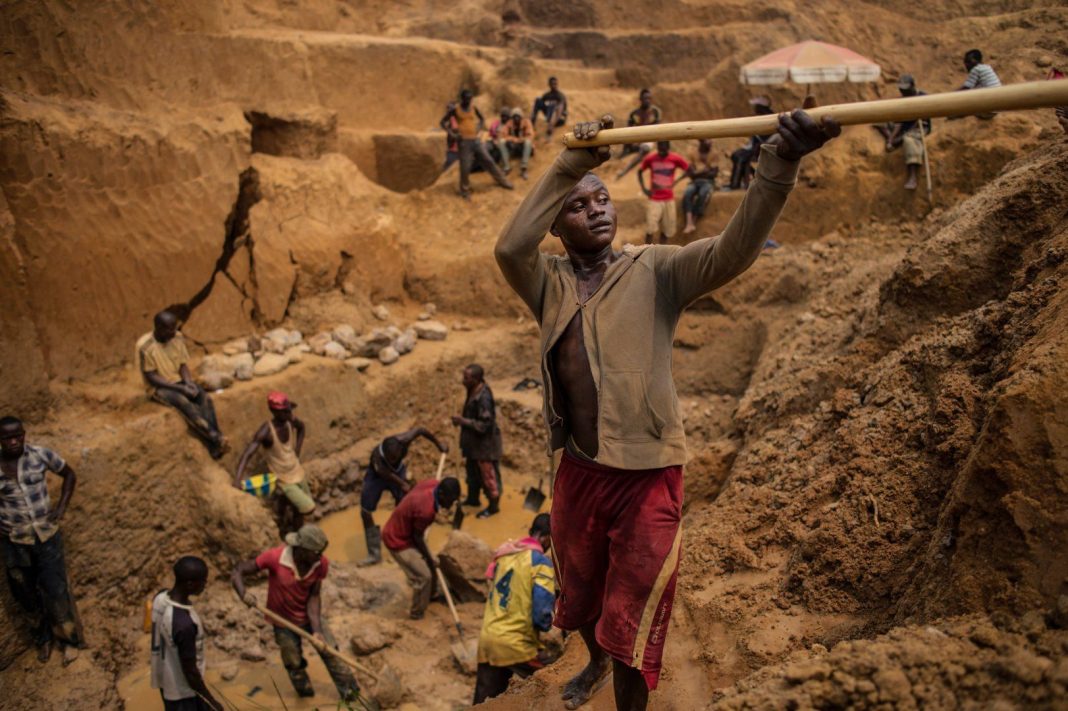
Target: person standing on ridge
907, 134
282, 438
469, 125
743, 158
607, 322
387, 472
660, 213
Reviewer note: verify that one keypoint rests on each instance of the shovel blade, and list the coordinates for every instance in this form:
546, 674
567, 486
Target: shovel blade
534, 500
466, 655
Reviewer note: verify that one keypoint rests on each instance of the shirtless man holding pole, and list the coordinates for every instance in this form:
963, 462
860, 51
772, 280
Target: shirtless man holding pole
607, 321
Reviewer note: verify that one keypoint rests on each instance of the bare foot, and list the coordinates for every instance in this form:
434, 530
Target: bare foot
585, 684
689, 229
910, 184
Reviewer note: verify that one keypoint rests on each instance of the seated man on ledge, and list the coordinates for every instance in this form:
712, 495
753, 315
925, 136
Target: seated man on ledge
164, 364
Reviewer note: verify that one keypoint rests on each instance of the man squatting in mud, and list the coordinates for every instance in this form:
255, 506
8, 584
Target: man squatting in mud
607, 323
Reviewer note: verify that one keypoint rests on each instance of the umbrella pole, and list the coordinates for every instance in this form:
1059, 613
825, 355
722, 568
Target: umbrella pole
926, 162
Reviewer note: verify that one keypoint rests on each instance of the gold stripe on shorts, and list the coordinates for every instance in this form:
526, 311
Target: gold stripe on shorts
653, 602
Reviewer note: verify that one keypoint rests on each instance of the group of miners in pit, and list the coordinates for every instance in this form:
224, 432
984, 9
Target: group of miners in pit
604, 562
491, 149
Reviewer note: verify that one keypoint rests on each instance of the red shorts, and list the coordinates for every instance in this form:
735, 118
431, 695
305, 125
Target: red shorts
617, 536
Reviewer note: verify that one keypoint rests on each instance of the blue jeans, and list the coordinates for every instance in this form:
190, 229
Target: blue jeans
695, 199
37, 576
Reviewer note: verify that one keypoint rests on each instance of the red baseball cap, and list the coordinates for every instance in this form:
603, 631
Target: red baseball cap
279, 401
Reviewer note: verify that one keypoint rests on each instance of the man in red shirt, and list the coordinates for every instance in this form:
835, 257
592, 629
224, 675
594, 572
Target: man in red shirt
660, 211
295, 575
403, 536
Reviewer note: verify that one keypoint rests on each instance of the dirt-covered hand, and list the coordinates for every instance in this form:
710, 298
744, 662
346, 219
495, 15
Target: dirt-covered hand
249, 599
588, 130
799, 134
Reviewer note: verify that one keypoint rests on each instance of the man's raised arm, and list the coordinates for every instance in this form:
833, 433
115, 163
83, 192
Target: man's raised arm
517, 247
706, 264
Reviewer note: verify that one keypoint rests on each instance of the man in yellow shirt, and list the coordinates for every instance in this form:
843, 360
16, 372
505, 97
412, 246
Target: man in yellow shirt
519, 605
164, 363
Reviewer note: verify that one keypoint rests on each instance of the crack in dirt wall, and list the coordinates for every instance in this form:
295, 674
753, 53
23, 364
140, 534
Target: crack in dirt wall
237, 237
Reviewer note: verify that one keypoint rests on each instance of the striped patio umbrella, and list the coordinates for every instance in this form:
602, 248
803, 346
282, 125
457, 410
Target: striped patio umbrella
810, 62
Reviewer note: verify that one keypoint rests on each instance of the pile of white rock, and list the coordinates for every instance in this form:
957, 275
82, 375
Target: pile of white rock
274, 351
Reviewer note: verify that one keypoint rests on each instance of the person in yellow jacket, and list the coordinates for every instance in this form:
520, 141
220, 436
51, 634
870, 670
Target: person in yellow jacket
519, 605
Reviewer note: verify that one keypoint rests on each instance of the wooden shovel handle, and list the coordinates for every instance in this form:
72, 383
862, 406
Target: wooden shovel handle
1028, 95
448, 599
316, 642
441, 466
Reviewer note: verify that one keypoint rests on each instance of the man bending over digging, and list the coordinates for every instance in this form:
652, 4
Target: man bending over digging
607, 322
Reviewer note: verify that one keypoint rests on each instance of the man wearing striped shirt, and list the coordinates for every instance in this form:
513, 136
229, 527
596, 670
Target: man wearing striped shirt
980, 75
30, 542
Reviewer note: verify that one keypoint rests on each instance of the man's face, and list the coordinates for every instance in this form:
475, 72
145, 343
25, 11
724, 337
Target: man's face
969, 63
304, 557
446, 498
465, 99
393, 453
646, 99
12, 440
468, 379
907, 91
553, 84
165, 330
587, 221
662, 148
505, 116
517, 119
195, 587
283, 414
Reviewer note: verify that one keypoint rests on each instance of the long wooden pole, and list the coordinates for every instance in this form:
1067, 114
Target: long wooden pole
1029, 95
926, 163
316, 642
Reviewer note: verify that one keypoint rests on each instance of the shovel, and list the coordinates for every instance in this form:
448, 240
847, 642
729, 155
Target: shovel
465, 654
536, 497
316, 642
441, 466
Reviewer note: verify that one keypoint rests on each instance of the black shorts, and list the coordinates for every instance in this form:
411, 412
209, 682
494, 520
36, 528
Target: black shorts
373, 488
